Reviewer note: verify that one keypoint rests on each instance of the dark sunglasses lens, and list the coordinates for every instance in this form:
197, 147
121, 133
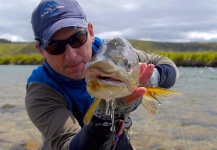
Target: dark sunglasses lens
75, 41
78, 39
56, 48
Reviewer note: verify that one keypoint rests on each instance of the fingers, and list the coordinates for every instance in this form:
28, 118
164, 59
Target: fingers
142, 67
145, 73
139, 92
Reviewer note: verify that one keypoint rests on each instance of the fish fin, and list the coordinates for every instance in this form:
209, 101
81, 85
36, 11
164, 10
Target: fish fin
157, 91
150, 106
150, 96
152, 92
90, 111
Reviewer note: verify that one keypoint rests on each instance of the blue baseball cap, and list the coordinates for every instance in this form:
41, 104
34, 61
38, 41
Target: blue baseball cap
52, 15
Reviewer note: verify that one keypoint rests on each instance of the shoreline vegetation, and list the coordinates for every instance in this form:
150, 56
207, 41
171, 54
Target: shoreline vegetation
192, 54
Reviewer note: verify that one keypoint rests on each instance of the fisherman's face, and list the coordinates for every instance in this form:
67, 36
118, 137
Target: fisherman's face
71, 63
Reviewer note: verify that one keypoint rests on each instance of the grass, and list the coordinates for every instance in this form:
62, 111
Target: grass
195, 59
21, 60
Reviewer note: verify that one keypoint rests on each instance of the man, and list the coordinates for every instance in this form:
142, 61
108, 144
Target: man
56, 96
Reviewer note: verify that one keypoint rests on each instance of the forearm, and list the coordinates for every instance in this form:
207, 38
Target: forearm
167, 75
96, 135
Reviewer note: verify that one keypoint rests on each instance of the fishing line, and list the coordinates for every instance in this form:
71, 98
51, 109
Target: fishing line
182, 129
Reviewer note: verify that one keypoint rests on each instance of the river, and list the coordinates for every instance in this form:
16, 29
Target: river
185, 122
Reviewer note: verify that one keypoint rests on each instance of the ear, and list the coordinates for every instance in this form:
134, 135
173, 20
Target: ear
91, 32
37, 46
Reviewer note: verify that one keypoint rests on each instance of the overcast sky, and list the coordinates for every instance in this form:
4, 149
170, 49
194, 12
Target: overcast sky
154, 20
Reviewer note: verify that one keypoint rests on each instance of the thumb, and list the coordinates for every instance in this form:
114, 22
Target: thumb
139, 92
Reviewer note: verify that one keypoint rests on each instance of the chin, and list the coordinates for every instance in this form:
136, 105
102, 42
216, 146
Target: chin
76, 76
72, 74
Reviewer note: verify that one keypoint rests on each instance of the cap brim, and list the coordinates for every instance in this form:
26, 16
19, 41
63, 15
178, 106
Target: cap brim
67, 22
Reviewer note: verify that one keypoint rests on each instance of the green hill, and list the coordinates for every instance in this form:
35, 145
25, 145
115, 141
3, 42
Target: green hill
9, 48
183, 54
151, 46
4, 41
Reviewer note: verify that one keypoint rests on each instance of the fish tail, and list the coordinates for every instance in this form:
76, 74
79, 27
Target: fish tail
90, 111
150, 106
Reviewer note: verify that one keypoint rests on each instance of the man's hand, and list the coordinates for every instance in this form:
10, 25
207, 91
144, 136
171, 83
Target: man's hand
130, 103
145, 75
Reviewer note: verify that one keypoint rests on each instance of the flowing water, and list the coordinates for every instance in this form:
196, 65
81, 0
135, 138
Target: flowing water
186, 122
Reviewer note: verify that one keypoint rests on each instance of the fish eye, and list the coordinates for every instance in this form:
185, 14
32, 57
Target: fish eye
129, 65
125, 62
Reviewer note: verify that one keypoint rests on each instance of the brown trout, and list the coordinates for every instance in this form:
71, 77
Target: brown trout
114, 73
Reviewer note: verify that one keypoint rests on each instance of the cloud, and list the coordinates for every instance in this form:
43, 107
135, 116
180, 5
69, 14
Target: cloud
167, 20
13, 38
203, 35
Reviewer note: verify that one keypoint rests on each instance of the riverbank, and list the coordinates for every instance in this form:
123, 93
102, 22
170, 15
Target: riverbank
189, 54
184, 59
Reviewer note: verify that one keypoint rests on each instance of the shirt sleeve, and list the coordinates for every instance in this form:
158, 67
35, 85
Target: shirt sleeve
47, 109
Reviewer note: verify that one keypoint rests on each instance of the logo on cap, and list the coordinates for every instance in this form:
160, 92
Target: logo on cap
50, 8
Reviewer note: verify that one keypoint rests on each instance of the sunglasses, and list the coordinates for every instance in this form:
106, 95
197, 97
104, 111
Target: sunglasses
75, 41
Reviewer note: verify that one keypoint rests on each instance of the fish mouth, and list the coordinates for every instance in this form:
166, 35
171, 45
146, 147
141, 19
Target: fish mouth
108, 79
106, 87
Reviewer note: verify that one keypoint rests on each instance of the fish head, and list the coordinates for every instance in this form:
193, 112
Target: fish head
114, 71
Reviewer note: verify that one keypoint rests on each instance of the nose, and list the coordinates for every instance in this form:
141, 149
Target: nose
70, 52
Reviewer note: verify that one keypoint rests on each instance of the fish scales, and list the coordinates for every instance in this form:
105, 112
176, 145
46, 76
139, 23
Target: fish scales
114, 73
